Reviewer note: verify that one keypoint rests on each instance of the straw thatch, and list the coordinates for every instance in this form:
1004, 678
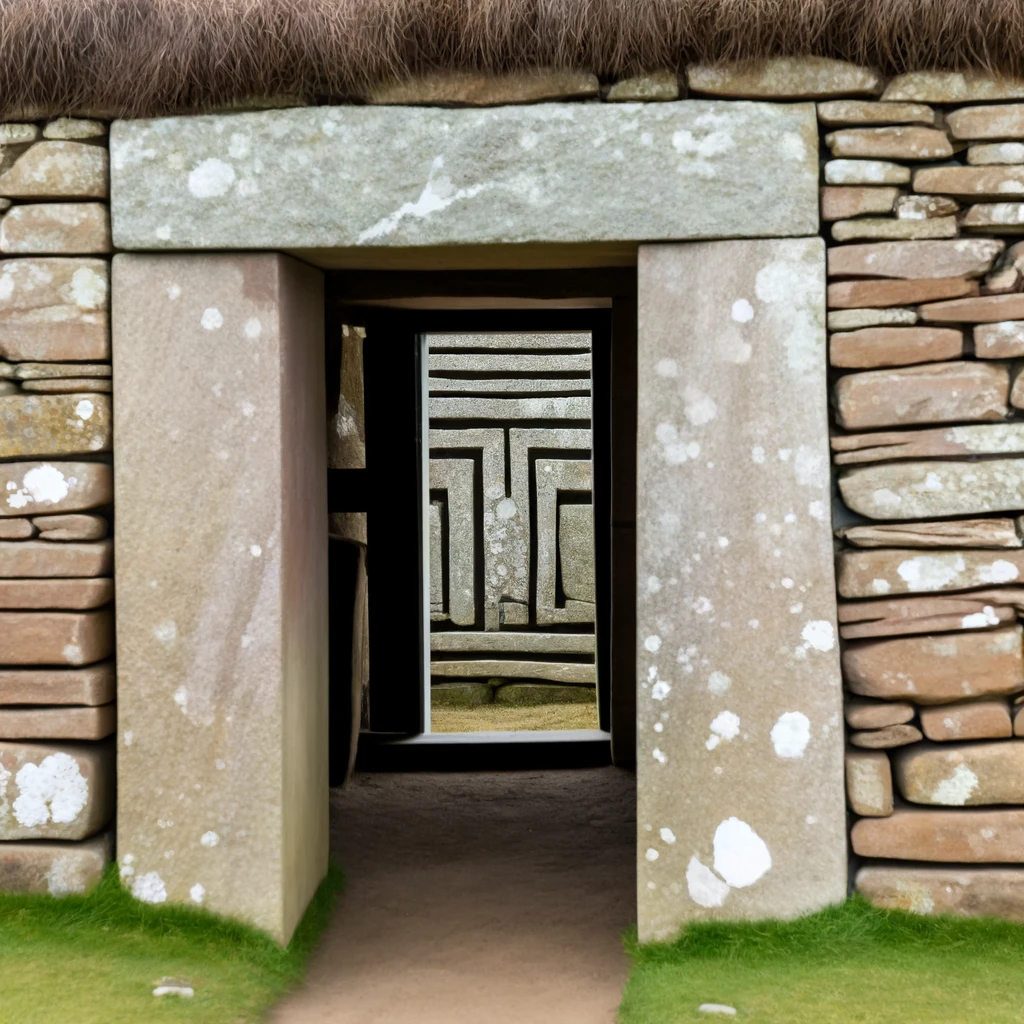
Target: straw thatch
148, 56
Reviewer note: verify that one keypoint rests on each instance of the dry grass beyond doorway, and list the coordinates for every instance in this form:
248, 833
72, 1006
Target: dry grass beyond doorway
849, 964
510, 717
95, 959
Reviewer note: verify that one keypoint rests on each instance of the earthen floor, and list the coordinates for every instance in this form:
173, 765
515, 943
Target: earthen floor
476, 898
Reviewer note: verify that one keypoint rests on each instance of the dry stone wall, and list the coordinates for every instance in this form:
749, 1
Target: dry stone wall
57, 685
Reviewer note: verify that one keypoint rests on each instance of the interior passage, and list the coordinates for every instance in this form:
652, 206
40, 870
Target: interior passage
491, 896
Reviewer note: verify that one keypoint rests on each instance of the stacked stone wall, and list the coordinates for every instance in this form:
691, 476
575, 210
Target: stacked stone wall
57, 684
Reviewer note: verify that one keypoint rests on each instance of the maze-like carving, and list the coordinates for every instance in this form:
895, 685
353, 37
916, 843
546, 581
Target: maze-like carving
511, 513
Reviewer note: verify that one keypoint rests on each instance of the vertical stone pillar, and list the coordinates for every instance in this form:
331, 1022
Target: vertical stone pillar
740, 810
220, 485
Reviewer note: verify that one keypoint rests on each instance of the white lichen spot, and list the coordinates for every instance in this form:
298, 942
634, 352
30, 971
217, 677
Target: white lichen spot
255, 550
506, 509
209, 839
936, 572
88, 289
41, 484
817, 510
181, 697
149, 888
212, 319
211, 178
791, 734
880, 586
166, 632
718, 683
742, 311
651, 855
979, 620
787, 583
667, 835
811, 467
660, 690
698, 407
253, 328
653, 584
705, 887
128, 737
741, 855
723, 542
1000, 571
653, 644
792, 147
757, 454
667, 368
84, 409
198, 893
53, 790
659, 756
219, 764
820, 634
957, 789
724, 726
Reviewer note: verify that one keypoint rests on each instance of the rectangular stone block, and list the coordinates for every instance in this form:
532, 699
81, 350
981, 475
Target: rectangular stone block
30, 488
58, 170
866, 172
964, 892
961, 774
843, 113
999, 340
863, 619
403, 176
39, 558
962, 836
63, 229
90, 686
55, 638
65, 594
854, 294
869, 783
56, 723
871, 714
482, 89
55, 791
996, 153
1005, 121
68, 386
873, 347
967, 533
74, 527
982, 309
995, 439
952, 87
741, 783
785, 78
994, 218
993, 183
890, 143
223, 663
893, 229
57, 869
479, 668
895, 571
965, 257
979, 720
32, 425
839, 202
889, 737
16, 529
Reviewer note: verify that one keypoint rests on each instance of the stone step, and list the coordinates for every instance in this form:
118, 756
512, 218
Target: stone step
92, 686
952, 837
964, 892
56, 638
54, 868
35, 559
71, 595
58, 723
962, 774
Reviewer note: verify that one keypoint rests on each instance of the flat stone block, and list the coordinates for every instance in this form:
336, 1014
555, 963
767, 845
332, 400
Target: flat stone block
999, 340
962, 836
854, 294
71, 595
962, 774
856, 319
864, 619
55, 868
657, 87
785, 78
55, 638
58, 170
56, 791
37, 558
68, 229
965, 257
531, 694
872, 347
844, 113
576, 551
480, 89
994, 218
91, 686
968, 533
32, 425
54, 308
963, 892
919, 207
16, 134
552, 671
981, 439
30, 488
16, 529
401, 176
866, 172
68, 386
44, 371
74, 128
71, 527
884, 739
936, 670
981, 309
57, 723
980, 720
1004, 121
952, 87
890, 143
869, 714
894, 229
869, 783
841, 201
741, 782
996, 153
460, 695
992, 183
895, 571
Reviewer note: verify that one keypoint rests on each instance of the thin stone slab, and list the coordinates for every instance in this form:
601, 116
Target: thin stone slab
890, 143
994, 218
534, 694
980, 720
56, 723
869, 783
15, 134
920, 207
63, 229
925, 490
996, 153
16, 529
873, 347
952, 87
884, 739
866, 172
91, 686
37, 558
68, 386
54, 308
55, 791
981, 309
481, 668
74, 129
864, 619
461, 695
977, 439
1004, 121
576, 551
961, 836
934, 393
53, 868
66, 595
46, 371
33, 425
857, 319
401, 176
855, 294
657, 87
71, 527
993, 183
1002, 340
894, 229
848, 113
741, 783
513, 643
870, 714
785, 78
841, 201
883, 571
33, 487
962, 774
936, 670
55, 637
962, 892
481, 89
965, 257
58, 170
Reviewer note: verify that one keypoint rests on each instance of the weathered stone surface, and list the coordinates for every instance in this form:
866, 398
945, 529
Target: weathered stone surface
480, 89
979, 439
968, 837
68, 386
74, 128
530, 694
841, 113
91, 686
58, 869
58, 170
920, 490
16, 134
8, 387
55, 638
464, 694
962, 774
690, 667
964, 533
963, 892
1004, 121
841, 201
30, 488
54, 308
576, 551
884, 739
1017, 391
660, 86
65, 594
920, 207
881, 571
890, 143
71, 527
866, 172
951, 87
993, 183
857, 319
36, 558
479, 668
936, 670
32, 425
965, 257
400, 176
863, 619
57, 723
785, 78
63, 791
894, 229
45, 371
893, 346
60, 228
880, 293
996, 153
994, 218
223, 664
16, 529
980, 720
1002, 340
934, 393
869, 783
869, 714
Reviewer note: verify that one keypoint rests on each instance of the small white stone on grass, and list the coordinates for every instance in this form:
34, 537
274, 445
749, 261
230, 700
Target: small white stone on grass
174, 987
729, 1011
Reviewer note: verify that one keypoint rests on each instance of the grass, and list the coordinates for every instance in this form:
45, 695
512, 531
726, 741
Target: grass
95, 959
851, 963
507, 717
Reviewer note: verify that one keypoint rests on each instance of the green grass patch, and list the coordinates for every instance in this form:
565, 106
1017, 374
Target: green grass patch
95, 959
851, 963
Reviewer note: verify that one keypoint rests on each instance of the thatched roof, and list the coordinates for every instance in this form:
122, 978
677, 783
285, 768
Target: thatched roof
151, 56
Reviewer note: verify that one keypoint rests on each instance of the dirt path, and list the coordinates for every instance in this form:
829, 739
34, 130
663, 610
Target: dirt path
485, 898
